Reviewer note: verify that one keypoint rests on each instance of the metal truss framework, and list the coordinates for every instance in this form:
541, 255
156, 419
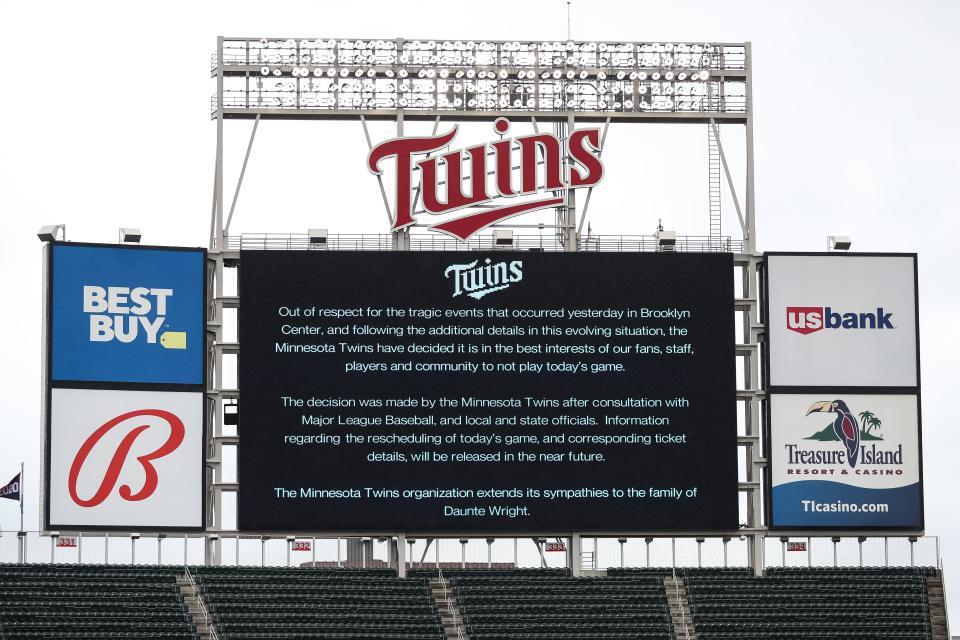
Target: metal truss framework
558, 82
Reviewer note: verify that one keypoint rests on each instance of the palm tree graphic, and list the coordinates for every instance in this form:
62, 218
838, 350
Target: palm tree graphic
869, 421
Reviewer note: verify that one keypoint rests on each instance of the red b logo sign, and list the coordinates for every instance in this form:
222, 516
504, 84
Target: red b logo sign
120, 456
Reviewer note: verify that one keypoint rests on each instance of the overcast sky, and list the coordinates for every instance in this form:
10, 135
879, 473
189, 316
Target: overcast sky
104, 122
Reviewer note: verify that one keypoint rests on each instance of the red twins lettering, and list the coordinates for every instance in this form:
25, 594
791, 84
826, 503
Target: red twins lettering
445, 193
120, 455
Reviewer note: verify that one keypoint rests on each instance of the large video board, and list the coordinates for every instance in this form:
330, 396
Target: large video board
124, 387
493, 391
844, 410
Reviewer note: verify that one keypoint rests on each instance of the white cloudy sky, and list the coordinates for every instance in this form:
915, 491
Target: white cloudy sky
104, 123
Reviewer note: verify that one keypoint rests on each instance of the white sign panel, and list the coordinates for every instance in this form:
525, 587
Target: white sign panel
845, 460
127, 459
842, 320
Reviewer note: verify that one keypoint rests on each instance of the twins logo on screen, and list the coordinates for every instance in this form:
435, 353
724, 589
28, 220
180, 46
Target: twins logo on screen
478, 280
445, 193
125, 314
851, 434
806, 320
112, 472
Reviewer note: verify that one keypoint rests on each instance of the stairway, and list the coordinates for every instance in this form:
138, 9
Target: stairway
449, 612
191, 596
938, 612
676, 592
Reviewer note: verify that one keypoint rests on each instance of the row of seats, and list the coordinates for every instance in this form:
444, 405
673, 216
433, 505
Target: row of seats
308, 604
823, 604
87, 602
533, 605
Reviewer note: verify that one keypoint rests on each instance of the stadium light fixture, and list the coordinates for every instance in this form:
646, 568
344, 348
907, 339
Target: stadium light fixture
317, 236
839, 243
503, 237
49, 232
666, 240
130, 235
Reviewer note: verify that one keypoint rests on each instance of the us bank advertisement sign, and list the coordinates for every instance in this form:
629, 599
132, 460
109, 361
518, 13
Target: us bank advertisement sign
126, 314
125, 459
845, 460
842, 320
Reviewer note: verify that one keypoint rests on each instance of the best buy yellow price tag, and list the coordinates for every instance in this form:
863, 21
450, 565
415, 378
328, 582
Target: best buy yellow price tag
173, 339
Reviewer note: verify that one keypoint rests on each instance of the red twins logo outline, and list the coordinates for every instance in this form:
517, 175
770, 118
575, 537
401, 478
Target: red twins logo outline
112, 473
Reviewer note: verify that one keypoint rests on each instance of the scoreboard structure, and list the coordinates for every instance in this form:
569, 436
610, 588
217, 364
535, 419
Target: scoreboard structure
455, 377
545, 91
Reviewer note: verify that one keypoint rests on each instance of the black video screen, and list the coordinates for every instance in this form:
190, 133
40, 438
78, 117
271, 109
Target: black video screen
486, 391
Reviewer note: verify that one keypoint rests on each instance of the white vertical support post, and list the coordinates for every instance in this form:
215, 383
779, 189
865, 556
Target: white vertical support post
673, 552
700, 552
436, 553
53, 546
835, 540
913, 542
80, 548
186, 547
363, 551
726, 543
160, 537
622, 541
516, 557
106, 549
463, 553
401, 237
575, 555
213, 447
648, 541
402, 555
490, 553
809, 551
133, 547
313, 551
539, 543
783, 551
290, 540
263, 550
236, 556
570, 222
860, 541
752, 378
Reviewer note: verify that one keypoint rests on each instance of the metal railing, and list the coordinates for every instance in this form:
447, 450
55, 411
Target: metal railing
683, 613
248, 549
203, 607
437, 242
454, 612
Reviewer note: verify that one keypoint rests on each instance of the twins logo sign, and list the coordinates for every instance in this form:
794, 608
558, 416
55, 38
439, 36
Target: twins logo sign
125, 458
125, 314
412, 163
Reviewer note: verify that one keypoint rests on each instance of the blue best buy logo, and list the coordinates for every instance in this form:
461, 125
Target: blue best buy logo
127, 314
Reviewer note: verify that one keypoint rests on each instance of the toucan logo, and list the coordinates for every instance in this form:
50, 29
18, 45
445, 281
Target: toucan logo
859, 443
806, 320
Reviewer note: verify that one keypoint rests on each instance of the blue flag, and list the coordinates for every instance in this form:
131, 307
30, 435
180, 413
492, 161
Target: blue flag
12, 490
